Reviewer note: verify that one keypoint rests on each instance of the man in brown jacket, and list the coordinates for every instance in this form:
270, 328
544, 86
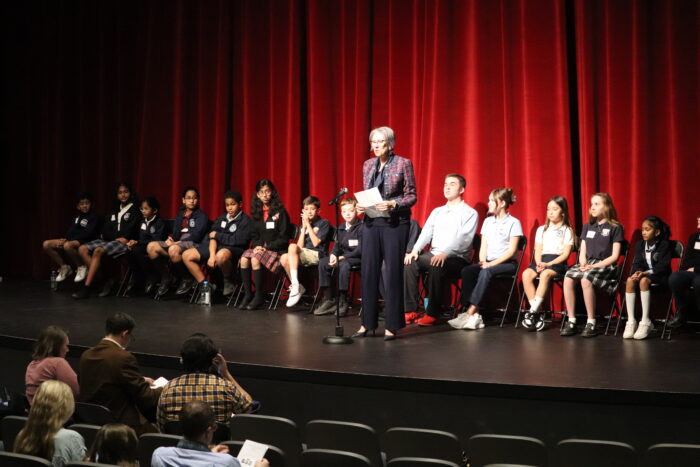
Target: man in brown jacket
110, 376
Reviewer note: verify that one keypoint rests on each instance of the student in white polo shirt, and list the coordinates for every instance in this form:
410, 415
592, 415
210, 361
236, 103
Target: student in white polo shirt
450, 232
500, 235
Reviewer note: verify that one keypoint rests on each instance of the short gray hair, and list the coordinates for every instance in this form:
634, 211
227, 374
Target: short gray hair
388, 134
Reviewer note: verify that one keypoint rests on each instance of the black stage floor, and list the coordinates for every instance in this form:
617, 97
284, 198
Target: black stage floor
502, 362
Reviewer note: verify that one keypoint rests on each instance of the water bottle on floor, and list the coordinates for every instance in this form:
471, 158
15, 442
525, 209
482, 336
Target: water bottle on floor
205, 298
53, 282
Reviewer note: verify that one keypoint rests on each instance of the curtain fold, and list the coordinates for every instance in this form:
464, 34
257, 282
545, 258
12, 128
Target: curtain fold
550, 97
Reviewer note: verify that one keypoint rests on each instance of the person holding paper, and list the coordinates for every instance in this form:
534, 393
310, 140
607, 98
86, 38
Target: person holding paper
195, 450
385, 231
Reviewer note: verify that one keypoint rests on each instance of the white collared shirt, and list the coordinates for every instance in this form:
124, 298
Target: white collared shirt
449, 229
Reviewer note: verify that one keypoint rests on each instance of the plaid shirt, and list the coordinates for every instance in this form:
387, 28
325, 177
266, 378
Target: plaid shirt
221, 395
399, 180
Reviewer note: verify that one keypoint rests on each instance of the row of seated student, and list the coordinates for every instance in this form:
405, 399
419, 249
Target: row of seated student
44, 436
110, 376
263, 240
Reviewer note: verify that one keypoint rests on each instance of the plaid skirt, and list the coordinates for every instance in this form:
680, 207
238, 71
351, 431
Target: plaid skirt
268, 258
113, 249
183, 244
603, 278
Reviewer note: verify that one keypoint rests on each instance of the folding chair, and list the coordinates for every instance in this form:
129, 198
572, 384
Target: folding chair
149, 442
522, 244
327, 457
10, 426
344, 436
276, 431
678, 252
616, 306
10, 459
588, 452
677, 455
491, 449
417, 442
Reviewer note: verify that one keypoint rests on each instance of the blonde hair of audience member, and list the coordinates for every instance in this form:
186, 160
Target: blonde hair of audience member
53, 405
116, 444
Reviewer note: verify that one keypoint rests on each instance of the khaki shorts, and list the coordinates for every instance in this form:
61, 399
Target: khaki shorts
308, 257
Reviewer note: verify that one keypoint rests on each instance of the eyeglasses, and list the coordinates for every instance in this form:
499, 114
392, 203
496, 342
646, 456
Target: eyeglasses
378, 141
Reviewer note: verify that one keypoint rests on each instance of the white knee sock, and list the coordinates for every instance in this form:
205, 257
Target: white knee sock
536, 303
294, 276
630, 298
645, 295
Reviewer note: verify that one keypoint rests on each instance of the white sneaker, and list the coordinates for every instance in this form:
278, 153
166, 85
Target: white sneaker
295, 293
643, 330
474, 322
63, 272
229, 287
630, 327
458, 321
80, 274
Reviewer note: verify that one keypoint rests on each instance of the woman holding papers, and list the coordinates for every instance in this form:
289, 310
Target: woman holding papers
385, 231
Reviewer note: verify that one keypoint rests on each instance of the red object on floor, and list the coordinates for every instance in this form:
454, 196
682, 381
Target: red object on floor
426, 320
411, 317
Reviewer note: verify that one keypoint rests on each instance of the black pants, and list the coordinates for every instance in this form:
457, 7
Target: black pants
325, 271
680, 283
383, 241
436, 277
141, 264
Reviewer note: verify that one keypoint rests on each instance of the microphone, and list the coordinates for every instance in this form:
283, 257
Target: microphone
338, 196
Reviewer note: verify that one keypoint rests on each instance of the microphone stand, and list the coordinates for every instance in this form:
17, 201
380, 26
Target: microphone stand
339, 337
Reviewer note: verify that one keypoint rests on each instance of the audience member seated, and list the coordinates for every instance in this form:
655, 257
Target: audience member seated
110, 376
207, 379
198, 426
49, 362
115, 444
44, 435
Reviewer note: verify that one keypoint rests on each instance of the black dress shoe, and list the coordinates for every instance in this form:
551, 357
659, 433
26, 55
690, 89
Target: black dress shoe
256, 303
390, 337
106, 288
244, 303
677, 321
185, 286
362, 333
164, 287
83, 292
130, 286
149, 287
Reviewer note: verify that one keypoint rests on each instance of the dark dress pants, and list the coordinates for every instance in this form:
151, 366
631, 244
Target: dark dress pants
436, 279
325, 272
383, 241
680, 283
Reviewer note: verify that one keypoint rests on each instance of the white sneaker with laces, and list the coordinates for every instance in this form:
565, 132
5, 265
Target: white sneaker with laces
80, 274
458, 321
474, 322
295, 293
63, 272
630, 328
643, 330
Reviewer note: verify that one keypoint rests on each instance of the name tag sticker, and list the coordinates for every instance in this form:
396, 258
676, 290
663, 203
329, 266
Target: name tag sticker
223, 224
353, 242
590, 234
76, 220
185, 230
114, 218
269, 225
697, 245
605, 232
143, 226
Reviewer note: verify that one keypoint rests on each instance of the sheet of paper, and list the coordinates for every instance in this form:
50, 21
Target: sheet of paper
159, 383
369, 197
251, 452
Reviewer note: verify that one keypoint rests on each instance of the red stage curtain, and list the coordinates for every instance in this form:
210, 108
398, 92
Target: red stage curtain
219, 94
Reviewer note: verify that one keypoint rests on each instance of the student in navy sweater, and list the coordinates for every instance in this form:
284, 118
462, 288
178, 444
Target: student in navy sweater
152, 229
83, 228
120, 227
223, 247
688, 276
189, 230
346, 254
651, 265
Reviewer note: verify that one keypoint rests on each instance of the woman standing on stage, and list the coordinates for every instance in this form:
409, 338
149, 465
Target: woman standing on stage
385, 232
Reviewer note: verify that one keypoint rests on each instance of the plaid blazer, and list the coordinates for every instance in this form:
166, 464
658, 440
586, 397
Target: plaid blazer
399, 181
